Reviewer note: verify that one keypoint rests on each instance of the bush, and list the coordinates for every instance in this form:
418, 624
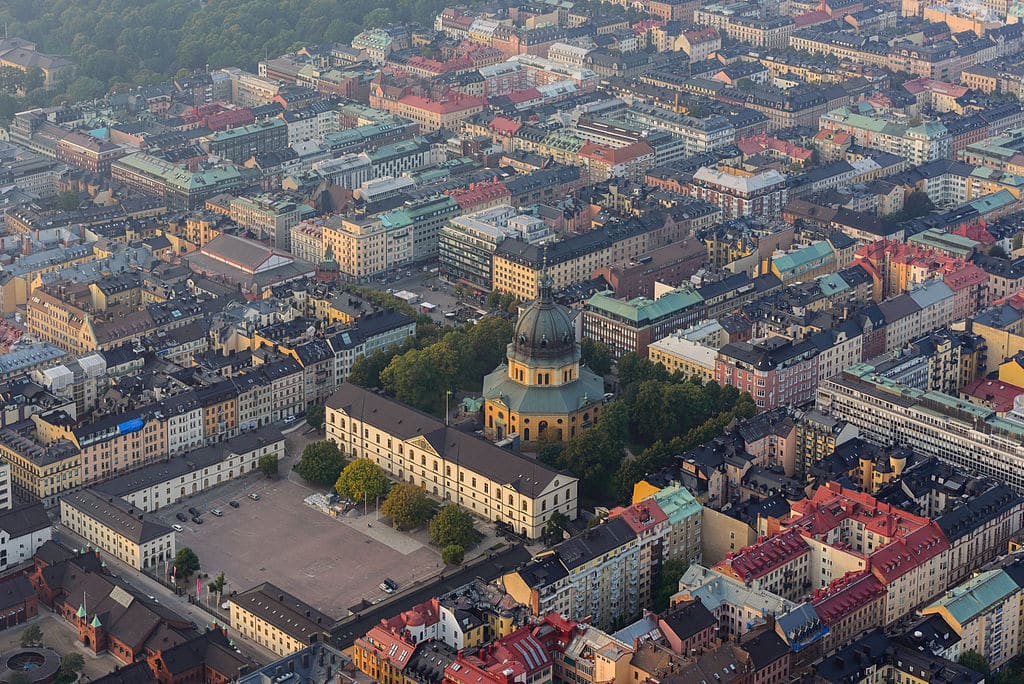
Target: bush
452, 554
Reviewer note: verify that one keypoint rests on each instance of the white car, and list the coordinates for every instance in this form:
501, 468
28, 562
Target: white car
177, 528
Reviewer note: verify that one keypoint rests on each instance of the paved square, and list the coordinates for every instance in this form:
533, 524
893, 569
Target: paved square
329, 562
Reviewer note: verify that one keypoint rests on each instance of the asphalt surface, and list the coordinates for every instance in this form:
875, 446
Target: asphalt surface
348, 629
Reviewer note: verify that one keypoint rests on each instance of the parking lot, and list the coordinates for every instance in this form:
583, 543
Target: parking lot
333, 563
431, 289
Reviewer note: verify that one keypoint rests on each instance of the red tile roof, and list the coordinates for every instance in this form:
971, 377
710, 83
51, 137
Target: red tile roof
641, 516
995, 393
388, 645
846, 595
898, 558
752, 562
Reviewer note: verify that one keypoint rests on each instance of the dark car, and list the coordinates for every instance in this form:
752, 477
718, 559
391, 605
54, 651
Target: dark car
233, 503
193, 510
182, 517
197, 520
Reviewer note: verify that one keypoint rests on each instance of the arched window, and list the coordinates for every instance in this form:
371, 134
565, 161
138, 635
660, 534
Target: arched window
542, 428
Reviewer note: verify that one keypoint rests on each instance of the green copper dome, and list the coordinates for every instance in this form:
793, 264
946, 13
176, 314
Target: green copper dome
544, 331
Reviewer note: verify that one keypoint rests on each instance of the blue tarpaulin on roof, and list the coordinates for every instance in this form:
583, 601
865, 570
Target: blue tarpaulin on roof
129, 426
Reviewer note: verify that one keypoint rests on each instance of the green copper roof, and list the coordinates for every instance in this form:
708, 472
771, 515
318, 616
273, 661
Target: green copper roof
977, 595
642, 310
81, 611
96, 621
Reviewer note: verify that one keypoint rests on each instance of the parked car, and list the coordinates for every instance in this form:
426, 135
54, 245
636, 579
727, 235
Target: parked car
289, 420
254, 496
217, 512
233, 503
193, 510
197, 520
182, 517
177, 528
389, 585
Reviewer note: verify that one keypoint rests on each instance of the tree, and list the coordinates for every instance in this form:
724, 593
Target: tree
745, 84
493, 299
554, 529
186, 563
452, 554
34, 78
408, 506
19, 678
998, 252
362, 480
976, 662
320, 464
217, 585
917, 204
668, 582
379, 16
315, 416
68, 200
596, 355
32, 636
70, 665
452, 525
268, 464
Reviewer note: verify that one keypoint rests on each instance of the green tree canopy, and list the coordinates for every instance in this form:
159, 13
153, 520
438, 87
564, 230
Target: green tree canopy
315, 416
362, 480
596, 355
668, 582
218, 583
976, 662
452, 525
70, 665
32, 636
321, 463
408, 506
452, 554
187, 562
268, 465
554, 529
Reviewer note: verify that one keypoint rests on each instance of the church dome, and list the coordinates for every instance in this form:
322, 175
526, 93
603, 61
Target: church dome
544, 331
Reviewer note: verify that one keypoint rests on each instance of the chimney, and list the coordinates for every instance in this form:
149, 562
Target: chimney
26, 246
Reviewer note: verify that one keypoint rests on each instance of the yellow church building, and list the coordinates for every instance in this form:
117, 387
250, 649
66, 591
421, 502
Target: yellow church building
542, 387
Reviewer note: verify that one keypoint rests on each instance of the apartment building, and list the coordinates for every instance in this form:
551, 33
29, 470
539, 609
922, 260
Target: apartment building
489, 482
84, 151
985, 612
276, 620
118, 528
739, 192
244, 142
968, 436
925, 142
112, 444
631, 326
306, 241
269, 218
518, 264
737, 606
39, 470
776, 371
596, 573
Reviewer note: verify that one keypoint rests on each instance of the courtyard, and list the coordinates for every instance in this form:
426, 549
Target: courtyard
61, 637
333, 563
